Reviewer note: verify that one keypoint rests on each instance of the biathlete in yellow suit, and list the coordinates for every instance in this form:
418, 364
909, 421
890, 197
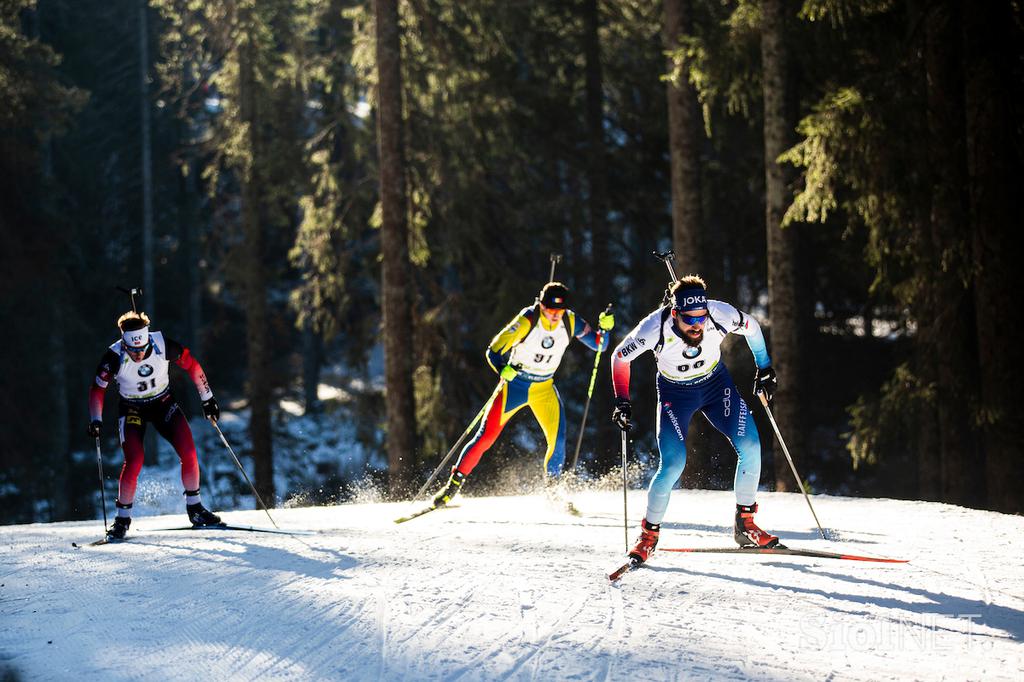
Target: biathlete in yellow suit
526, 354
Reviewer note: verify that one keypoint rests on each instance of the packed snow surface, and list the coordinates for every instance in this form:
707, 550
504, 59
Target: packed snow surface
515, 588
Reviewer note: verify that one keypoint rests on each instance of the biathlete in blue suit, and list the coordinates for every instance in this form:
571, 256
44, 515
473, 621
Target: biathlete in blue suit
526, 354
686, 339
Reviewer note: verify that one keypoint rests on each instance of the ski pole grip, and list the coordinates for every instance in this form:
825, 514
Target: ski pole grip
555, 259
666, 258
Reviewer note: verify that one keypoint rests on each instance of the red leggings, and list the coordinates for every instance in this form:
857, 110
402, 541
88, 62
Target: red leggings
170, 422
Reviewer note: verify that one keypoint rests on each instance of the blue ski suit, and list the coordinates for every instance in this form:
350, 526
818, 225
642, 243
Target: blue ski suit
692, 379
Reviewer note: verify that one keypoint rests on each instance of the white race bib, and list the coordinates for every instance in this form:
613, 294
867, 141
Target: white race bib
541, 351
146, 379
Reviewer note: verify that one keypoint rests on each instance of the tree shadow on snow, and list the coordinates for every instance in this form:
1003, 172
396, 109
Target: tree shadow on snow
329, 563
8, 673
1009, 620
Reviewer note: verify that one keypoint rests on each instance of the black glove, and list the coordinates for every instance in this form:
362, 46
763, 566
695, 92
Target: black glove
95, 428
621, 414
765, 383
211, 410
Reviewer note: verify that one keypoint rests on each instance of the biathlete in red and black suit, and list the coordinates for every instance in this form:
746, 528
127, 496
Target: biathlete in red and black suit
138, 363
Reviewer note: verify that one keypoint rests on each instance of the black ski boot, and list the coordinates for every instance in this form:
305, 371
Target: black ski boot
119, 528
200, 516
450, 490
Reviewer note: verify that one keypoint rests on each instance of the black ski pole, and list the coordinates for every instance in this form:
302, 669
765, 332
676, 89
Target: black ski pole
667, 258
625, 512
555, 259
799, 482
590, 392
458, 443
103, 494
242, 469
132, 293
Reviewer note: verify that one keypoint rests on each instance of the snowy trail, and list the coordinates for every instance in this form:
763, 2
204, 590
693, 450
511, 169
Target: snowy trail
513, 589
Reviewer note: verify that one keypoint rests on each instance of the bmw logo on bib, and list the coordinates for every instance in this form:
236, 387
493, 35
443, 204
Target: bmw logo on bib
145, 370
691, 352
547, 342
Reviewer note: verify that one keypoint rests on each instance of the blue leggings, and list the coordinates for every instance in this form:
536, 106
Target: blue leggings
720, 401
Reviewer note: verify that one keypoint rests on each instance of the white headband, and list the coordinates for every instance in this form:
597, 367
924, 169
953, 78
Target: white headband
136, 338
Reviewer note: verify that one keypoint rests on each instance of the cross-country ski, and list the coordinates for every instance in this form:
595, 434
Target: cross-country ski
780, 550
418, 513
228, 526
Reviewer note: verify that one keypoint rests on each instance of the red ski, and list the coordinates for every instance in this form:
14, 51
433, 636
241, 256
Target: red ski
779, 549
625, 568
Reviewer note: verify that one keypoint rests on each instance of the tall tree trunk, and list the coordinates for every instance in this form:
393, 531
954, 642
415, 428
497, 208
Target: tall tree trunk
190, 239
930, 464
576, 225
991, 45
255, 284
597, 172
953, 356
685, 127
684, 130
783, 293
60, 453
152, 444
597, 183
310, 368
148, 283
60, 461
401, 414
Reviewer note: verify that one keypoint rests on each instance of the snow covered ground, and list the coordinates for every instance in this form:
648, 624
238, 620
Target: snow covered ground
515, 588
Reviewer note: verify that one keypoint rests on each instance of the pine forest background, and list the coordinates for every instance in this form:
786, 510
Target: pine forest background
360, 194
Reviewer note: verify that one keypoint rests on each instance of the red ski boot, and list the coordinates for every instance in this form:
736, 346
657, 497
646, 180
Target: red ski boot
647, 541
747, 532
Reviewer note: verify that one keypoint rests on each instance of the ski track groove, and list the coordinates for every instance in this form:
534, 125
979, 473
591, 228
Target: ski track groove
317, 652
432, 634
310, 653
76, 601
533, 654
192, 627
616, 623
382, 629
487, 652
440, 618
238, 661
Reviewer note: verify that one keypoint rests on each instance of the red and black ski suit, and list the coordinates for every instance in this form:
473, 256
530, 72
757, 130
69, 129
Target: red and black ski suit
144, 389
